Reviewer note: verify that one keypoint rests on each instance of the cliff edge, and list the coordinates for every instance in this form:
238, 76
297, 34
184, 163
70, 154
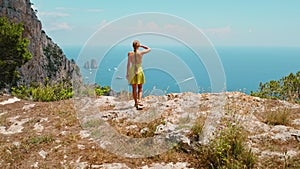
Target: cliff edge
108, 132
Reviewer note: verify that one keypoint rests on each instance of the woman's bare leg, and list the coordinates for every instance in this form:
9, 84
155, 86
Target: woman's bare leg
134, 94
140, 91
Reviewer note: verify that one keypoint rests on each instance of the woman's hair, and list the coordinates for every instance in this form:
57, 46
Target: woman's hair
135, 44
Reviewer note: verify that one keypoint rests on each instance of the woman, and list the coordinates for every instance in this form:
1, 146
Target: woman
135, 74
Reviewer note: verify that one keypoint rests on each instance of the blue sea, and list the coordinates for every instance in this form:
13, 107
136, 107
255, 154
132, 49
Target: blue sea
175, 69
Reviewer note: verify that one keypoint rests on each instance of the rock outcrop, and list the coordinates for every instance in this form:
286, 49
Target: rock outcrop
108, 132
48, 59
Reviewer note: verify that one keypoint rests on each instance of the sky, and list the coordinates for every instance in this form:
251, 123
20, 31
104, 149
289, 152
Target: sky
224, 23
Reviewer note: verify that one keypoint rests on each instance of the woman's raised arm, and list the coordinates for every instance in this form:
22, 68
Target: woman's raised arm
146, 49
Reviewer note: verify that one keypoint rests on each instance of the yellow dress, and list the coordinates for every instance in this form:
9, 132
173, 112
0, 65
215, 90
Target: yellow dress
136, 74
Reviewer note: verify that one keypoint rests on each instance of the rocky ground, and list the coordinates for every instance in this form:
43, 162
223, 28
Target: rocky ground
107, 132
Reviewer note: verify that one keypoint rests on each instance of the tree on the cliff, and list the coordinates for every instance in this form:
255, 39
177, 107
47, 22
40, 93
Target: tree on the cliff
13, 52
286, 88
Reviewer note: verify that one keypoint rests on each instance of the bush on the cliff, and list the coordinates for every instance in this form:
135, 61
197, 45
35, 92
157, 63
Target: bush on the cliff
13, 53
100, 91
93, 90
45, 92
229, 148
287, 88
52, 92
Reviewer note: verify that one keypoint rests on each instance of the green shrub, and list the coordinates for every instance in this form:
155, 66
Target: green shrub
287, 88
21, 92
100, 91
44, 92
88, 90
229, 149
61, 91
13, 53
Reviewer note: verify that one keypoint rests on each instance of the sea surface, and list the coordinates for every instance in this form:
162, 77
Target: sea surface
177, 69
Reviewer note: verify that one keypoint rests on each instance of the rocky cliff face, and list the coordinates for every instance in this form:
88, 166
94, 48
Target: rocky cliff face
48, 59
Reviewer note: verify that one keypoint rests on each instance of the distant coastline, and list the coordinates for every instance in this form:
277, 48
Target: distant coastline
244, 67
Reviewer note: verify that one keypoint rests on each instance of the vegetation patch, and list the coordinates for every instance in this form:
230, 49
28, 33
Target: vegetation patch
228, 149
285, 162
93, 123
140, 130
278, 117
41, 140
286, 88
44, 92
14, 52
100, 91
196, 130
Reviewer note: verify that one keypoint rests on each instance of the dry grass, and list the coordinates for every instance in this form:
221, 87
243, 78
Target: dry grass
60, 139
196, 130
272, 116
286, 162
124, 96
141, 130
278, 117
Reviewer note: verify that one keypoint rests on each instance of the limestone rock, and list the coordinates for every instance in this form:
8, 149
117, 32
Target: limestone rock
48, 59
